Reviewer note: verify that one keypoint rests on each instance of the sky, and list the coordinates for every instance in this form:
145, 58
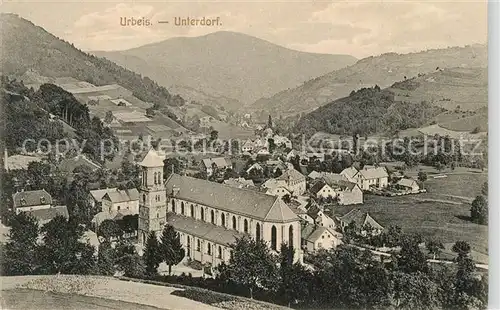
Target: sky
358, 28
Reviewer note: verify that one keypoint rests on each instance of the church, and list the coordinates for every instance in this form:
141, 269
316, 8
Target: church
210, 216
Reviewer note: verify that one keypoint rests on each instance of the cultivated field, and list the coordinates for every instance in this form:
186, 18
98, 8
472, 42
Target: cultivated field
444, 219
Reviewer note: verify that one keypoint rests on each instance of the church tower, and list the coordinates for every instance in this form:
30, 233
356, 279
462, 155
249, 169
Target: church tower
152, 196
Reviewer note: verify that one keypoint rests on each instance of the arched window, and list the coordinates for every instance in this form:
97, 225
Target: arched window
155, 178
144, 197
219, 254
257, 232
182, 207
192, 211
202, 214
209, 248
159, 178
223, 219
245, 226
188, 246
173, 206
290, 235
273, 238
212, 217
234, 222
198, 245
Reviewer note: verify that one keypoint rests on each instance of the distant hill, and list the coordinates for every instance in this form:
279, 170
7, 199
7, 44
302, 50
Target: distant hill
27, 46
455, 99
383, 70
227, 64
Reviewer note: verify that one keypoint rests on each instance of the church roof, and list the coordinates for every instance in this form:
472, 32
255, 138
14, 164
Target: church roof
152, 159
246, 202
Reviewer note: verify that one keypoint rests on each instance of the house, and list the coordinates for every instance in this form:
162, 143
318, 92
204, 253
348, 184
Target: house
124, 201
291, 155
319, 217
369, 177
95, 196
319, 237
279, 191
208, 164
315, 175
348, 193
295, 181
282, 141
210, 216
240, 183
350, 174
31, 200
321, 189
248, 146
256, 167
43, 216
363, 221
263, 151
408, 185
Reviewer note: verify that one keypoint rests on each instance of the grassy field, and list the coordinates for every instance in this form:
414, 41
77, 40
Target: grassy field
424, 214
463, 184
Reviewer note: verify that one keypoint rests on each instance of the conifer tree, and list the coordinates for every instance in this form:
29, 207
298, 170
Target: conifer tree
171, 248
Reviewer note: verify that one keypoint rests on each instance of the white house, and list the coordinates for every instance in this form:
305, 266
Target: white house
31, 200
319, 237
295, 181
373, 177
123, 201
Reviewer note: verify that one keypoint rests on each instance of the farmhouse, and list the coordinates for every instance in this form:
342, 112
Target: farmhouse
295, 181
372, 177
318, 237
123, 201
321, 189
408, 185
96, 196
207, 165
319, 217
363, 221
248, 146
31, 200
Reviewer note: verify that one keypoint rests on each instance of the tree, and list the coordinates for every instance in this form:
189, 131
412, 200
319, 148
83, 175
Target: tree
410, 258
422, 176
484, 189
18, 255
252, 265
171, 165
479, 210
171, 248
434, 248
152, 254
128, 261
214, 135
109, 229
109, 117
272, 145
105, 259
62, 251
270, 122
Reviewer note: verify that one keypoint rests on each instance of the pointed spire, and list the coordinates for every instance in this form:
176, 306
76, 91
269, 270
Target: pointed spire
152, 159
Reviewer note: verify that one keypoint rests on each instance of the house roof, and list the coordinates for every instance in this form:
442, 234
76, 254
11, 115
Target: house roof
315, 174
373, 173
360, 218
349, 172
407, 182
45, 215
253, 204
291, 175
220, 162
317, 186
98, 194
122, 195
239, 183
313, 210
152, 159
312, 233
31, 198
69, 164
203, 230
273, 183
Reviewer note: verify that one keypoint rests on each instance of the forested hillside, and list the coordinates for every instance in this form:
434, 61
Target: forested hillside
27, 46
27, 115
366, 111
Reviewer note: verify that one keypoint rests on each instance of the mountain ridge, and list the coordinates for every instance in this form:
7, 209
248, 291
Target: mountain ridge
231, 64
